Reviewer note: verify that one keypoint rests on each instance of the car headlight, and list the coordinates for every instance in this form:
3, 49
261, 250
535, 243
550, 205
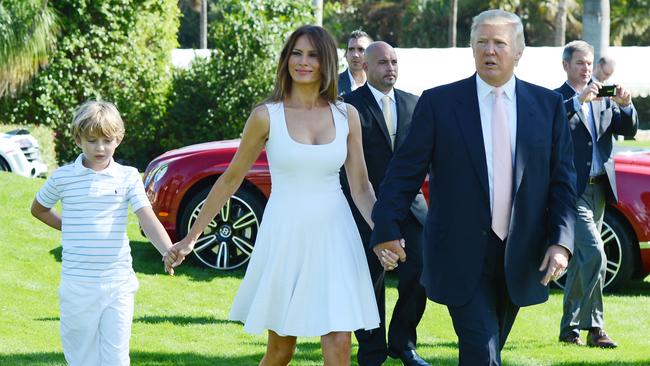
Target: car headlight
160, 172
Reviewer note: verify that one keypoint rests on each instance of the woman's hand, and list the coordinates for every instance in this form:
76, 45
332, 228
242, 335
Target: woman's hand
177, 253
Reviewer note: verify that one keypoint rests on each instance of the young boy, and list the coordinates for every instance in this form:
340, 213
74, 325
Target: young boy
98, 284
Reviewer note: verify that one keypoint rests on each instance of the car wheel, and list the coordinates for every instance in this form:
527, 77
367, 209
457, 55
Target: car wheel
4, 166
618, 245
227, 243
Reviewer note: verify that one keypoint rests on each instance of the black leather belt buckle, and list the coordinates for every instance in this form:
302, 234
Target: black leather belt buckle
597, 179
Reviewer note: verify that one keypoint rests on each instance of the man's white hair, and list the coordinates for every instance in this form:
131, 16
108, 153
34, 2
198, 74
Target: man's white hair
498, 16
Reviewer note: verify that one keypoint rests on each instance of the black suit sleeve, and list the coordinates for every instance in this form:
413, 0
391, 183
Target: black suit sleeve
562, 190
404, 174
625, 124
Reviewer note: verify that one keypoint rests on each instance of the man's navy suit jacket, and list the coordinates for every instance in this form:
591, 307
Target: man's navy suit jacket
344, 86
609, 121
446, 141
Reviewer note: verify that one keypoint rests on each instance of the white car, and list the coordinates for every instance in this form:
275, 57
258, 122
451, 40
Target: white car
21, 154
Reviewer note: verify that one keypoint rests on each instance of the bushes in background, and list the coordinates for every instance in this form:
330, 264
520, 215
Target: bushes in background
212, 99
118, 51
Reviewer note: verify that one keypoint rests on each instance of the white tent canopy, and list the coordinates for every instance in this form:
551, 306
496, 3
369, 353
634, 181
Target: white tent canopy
424, 68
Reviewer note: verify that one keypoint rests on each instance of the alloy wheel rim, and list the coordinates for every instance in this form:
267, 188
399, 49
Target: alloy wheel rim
228, 241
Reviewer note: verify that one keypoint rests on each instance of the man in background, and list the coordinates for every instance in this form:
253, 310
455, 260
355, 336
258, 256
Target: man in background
604, 69
354, 76
385, 114
593, 121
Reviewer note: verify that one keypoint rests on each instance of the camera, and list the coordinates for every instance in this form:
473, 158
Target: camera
607, 91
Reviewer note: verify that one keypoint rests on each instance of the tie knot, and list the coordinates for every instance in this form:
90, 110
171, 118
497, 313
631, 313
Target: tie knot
385, 99
498, 91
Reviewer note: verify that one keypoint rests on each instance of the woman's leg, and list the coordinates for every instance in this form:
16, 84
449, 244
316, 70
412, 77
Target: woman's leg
279, 350
336, 348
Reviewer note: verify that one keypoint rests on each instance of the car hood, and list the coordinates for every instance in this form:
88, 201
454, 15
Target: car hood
639, 157
198, 149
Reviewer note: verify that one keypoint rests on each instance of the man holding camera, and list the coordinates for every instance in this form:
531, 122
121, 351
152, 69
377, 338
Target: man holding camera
595, 113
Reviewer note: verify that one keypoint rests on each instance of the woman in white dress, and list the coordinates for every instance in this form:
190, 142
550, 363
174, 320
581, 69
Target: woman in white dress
308, 274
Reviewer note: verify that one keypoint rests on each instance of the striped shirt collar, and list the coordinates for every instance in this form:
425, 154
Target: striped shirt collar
111, 170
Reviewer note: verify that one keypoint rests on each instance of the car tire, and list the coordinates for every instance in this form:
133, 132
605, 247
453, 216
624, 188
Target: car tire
4, 166
225, 244
619, 248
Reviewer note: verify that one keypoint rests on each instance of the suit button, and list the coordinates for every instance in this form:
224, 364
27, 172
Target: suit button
589, 163
589, 143
484, 232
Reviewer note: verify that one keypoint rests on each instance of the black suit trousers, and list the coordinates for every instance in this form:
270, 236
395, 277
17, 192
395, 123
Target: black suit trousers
410, 304
483, 324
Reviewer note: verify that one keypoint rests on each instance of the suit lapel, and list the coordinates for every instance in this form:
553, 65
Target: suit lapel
526, 107
468, 119
602, 123
579, 112
401, 118
371, 102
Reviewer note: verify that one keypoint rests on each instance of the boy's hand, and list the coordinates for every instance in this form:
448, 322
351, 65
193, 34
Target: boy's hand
168, 259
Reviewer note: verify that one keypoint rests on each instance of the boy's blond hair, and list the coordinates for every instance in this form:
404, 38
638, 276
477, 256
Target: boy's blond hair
97, 119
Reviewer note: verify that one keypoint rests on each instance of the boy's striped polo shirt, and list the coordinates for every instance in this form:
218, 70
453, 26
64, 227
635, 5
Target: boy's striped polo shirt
94, 218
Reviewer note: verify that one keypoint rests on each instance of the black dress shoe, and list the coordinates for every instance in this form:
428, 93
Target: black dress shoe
572, 338
598, 338
408, 357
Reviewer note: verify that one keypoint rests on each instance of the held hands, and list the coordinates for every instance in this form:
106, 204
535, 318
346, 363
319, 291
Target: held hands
177, 253
555, 263
389, 253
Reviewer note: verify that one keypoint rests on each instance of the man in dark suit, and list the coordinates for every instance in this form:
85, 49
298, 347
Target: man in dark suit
502, 191
354, 76
593, 122
385, 120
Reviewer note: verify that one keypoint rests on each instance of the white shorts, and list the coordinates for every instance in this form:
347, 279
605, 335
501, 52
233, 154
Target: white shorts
96, 321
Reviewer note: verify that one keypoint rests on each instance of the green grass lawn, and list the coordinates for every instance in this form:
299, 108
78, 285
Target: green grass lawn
182, 320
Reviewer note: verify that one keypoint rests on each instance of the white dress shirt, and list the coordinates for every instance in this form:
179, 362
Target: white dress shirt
393, 106
485, 103
353, 83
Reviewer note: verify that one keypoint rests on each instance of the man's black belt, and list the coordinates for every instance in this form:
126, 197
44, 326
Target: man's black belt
597, 179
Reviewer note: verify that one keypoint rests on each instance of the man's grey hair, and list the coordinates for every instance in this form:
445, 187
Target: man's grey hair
498, 16
574, 46
605, 60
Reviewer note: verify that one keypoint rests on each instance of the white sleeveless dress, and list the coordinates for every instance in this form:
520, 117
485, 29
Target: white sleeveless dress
308, 273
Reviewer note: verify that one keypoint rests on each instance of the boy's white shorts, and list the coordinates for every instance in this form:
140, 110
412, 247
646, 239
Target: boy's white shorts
96, 321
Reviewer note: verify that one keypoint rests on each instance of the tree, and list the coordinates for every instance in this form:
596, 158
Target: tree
560, 24
630, 22
453, 19
28, 30
595, 25
119, 51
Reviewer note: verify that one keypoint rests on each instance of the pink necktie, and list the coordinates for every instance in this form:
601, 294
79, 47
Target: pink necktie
501, 167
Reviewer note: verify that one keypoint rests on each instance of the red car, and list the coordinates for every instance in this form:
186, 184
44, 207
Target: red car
178, 182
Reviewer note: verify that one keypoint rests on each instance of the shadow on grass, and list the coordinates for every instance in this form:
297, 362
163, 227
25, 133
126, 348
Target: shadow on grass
176, 320
633, 288
306, 352
182, 320
137, 359
147, 260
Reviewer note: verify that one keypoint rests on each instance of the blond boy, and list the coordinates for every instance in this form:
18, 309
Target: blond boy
98, 284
